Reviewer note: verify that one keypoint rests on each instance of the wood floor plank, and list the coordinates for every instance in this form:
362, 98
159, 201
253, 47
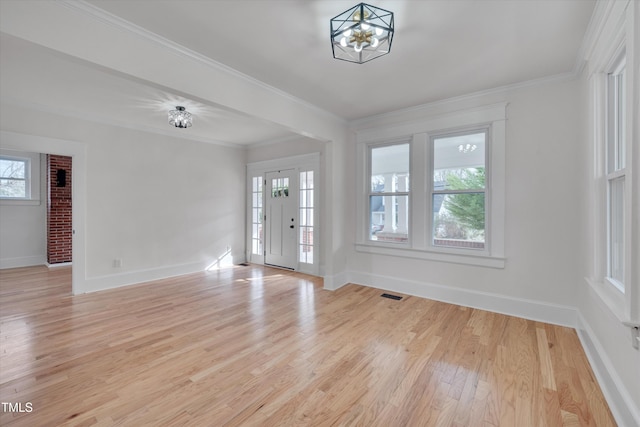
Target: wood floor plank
256, 346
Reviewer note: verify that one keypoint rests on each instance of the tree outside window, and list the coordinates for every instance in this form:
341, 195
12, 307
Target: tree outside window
458, 192
14, 174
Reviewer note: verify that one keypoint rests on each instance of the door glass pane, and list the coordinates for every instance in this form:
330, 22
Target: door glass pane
256, 216
305, 238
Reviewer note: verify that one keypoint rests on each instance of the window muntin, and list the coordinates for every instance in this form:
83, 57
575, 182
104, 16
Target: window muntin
15, 174
279, 187
458, 190
389, 193
616, 173
305, 238
256, 216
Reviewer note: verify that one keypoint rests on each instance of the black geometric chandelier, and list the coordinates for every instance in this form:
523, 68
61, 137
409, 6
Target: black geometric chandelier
361, 33
180, 118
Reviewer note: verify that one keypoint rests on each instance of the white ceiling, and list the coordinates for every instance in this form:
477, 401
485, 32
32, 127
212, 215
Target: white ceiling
441, 49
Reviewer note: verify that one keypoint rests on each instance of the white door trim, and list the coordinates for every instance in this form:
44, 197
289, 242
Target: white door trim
300, 163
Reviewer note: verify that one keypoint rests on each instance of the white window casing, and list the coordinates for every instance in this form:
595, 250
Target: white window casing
613, 199
31, 178
419, 134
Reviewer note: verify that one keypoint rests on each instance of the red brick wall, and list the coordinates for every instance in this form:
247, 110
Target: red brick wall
58, 211
459, 243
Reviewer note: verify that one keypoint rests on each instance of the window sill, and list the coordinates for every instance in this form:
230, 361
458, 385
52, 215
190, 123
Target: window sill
611, 296
19, 202
614, 300
466, 259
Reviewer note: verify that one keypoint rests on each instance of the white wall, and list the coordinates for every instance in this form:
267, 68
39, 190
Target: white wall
287, 148
162, 205
23, 226
541, 231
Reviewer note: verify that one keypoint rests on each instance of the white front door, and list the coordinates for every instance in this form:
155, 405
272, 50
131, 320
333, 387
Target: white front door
281, 226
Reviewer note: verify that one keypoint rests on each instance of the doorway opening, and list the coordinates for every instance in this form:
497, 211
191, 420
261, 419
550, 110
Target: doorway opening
59, 210
77, 151
283, 213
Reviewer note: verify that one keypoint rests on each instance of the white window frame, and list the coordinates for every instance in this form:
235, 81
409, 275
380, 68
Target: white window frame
606, 59
615, 166
419, 132
27, 177
32, 177
370, 193
486, 129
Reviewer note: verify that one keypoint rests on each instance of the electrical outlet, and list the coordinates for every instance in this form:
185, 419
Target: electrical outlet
117, 263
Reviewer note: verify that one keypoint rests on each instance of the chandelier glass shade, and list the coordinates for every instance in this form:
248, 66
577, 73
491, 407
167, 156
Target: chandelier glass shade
362, 33
180, 118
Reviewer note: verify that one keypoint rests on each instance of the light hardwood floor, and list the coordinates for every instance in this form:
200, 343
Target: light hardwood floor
258, 346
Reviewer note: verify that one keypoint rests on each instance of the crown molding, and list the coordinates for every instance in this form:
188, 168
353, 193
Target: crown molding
358, 123
596, 27
591, 34
115, 21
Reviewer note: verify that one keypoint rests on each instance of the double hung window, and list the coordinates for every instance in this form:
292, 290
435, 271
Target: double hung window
389, 193
434, 189
15, 178
616, 173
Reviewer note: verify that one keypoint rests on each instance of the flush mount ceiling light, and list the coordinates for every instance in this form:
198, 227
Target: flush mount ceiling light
180, 118
361, 33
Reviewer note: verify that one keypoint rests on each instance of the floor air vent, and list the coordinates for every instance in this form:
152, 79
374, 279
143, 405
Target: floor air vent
395, 297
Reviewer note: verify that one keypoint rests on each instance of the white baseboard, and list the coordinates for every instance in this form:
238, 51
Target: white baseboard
59, 264
27, 261
519, 307
334, 282
624, 409
94, 284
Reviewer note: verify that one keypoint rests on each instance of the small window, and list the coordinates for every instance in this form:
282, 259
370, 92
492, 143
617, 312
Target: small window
458, 190
389, 193
15, 178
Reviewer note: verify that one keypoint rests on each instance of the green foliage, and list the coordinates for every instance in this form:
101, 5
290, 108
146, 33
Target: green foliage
468, 209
